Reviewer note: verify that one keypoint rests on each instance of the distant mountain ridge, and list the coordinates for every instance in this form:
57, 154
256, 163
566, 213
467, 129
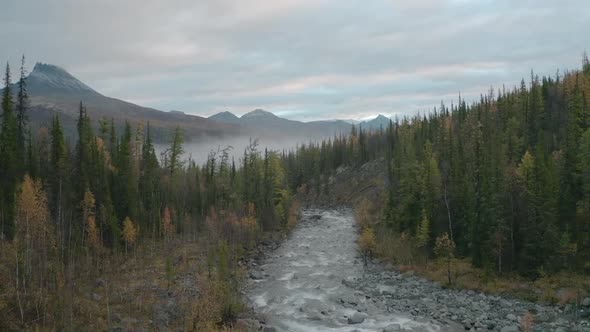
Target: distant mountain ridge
52, 90
269, 122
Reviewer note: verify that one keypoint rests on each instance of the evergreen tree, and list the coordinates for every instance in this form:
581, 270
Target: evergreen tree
9, 159
22, 102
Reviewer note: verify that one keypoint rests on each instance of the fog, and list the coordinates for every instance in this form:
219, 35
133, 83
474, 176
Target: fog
199, 149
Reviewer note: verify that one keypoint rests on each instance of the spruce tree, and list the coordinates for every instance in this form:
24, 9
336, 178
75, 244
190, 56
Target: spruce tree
9, 159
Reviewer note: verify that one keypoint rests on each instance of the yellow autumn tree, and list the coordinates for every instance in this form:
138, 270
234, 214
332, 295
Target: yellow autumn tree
34, 242
89, 219
367, 243
167, 225
445, 249
129, 233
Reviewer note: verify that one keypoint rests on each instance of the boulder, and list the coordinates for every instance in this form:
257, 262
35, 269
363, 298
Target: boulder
586, 302
357, 318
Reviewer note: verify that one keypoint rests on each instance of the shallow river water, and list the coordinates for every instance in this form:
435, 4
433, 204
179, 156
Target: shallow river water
302, 284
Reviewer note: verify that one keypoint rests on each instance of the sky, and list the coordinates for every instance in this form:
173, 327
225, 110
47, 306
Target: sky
304, 60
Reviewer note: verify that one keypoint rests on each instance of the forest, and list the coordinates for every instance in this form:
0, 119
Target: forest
506, 178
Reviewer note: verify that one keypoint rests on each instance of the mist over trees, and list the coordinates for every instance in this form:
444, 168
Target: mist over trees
504, 181
64, 203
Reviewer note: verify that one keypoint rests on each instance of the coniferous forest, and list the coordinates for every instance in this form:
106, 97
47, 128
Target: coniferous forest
506, 178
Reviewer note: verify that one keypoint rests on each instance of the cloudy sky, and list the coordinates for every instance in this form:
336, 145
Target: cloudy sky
305, 60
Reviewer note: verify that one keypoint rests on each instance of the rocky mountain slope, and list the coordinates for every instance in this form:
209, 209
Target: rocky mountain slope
53, 90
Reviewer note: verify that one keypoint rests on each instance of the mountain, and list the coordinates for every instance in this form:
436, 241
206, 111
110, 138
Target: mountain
259, 114
225, 117
377, 123
46, 79
53, 90
261, 123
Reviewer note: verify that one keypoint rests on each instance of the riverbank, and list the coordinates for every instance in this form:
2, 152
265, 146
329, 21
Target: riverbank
365, 188
316, 281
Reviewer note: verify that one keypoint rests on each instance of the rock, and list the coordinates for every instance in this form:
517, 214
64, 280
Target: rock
512, 317
99, 283
586, 302
510, 328
256, 275
467, 324
269, 329
96, 297
560, 329
357, 318
392, 328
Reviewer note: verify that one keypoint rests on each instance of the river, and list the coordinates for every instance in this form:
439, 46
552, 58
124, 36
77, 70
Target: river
302, 286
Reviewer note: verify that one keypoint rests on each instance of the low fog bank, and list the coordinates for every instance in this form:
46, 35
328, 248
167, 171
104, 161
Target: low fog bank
199, 149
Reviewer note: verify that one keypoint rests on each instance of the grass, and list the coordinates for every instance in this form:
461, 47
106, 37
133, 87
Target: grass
400, 251
130, 288
561, 288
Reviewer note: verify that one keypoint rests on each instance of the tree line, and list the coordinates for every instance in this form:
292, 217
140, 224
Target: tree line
506, 178
504, 181
64, 201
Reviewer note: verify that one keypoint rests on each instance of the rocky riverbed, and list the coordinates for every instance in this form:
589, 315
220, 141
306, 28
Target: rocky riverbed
316, 281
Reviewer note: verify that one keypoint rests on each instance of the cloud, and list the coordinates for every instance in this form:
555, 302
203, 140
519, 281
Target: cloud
305, 59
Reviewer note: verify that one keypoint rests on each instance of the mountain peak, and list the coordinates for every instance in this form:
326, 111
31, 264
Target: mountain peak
381, 117
51, 78
258, 113
224, 117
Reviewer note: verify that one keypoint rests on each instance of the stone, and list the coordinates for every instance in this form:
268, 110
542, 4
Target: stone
99, 283
510, 328
467, 324
511, 317
269, 329
357, 318
586, 302
96, 297
392, 328
256, 275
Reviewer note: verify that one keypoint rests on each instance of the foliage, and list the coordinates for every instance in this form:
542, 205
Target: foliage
130, 232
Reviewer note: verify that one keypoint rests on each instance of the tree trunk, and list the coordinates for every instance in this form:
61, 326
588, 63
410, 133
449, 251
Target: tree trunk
449, 269
18, 300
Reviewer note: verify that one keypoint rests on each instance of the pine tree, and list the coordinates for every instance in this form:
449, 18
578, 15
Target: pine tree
22, 103
57, 180
176, 151
9, 162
